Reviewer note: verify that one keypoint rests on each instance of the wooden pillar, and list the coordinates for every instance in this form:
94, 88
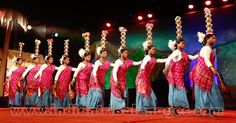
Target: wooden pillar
4, 55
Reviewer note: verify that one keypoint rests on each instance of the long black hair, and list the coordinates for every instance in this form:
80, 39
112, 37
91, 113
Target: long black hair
208, 36
18, 59
48, 57
103, 50
148, 48
86, 54
178, 41
35, 57
122, 50
65, 57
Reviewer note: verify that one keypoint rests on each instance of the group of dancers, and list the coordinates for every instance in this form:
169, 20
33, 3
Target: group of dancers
43, 89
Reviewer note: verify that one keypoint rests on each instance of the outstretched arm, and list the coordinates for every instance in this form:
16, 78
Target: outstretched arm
112, 64
173, 55
145, 61
56, 68
95, 68
60, 69
191, 57
137, 63
27, 70
39, 73
79, 68
10, 71
161, 60
115, 70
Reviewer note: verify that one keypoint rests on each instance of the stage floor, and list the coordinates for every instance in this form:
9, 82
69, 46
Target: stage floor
22, 115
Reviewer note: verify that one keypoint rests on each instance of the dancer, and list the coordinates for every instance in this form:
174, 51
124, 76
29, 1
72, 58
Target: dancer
145, 97
32, 85
101, 66
119, 90
45, 75
63, 93
13, 77
175, 65
207, 93
82, 74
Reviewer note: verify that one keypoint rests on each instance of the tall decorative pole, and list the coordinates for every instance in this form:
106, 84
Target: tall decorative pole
209, 25
66, 51
50, 41
86, 37
103, 39
149, 27
102, 42
148, 41
21, 44
123, 31
178, 23
37, 43
66, 47
172, 43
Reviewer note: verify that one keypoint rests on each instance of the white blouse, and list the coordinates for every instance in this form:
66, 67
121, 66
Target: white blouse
147, 58
117, 64
12, 69
205, 52
78, 69
60, 69
97, 64
42, 68
27, 70
177, 56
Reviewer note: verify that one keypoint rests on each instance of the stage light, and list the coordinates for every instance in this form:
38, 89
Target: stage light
149, 15
108, 24
207, 2
29, 27
190, 6
56, 34
140, 18
224, 0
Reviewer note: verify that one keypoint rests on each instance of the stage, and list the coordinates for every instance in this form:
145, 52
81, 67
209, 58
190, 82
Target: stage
71, 115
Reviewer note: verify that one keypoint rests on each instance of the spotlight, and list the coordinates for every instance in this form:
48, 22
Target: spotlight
56, 34
108, 24
140, 17
29, 27
149, 15
224, 1
190, 6
208, 2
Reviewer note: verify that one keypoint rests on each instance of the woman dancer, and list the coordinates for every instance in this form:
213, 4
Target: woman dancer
82, 74
175, 65
145, 97
207, 94
63, 92
101, 66
13, 77
32, 85
119, 90
45, 75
